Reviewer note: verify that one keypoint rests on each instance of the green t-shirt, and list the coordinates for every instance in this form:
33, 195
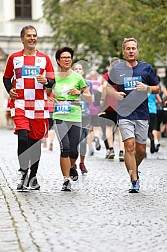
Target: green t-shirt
74, 80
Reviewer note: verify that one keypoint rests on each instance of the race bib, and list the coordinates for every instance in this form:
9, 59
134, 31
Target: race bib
30, 71
83, 105
63, 107
130, 82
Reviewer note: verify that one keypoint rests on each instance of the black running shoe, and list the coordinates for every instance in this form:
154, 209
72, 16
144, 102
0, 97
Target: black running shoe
121, 156
107, 153
73, 174
97, 143
66, 185
22, 180
152, 147
111, 154
33, 184
157, 147
91, 152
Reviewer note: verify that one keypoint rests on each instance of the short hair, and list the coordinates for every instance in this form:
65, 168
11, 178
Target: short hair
114, 59
64, 49
27, 27
127, 40
77, 63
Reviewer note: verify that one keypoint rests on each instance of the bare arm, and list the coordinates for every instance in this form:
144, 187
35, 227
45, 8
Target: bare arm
44, 81
164, 90
103, 93
158, 99
86, 95
145, 88
110, 90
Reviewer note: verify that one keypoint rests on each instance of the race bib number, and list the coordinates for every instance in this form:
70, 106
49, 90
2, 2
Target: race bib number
130, 82
30, 71
83, 106
63, 107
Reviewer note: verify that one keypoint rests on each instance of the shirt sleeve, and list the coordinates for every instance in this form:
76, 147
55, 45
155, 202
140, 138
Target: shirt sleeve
9, 68
50, 74
153, 79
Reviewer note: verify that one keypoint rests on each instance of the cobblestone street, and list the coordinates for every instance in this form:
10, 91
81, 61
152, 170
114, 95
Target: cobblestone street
98, 215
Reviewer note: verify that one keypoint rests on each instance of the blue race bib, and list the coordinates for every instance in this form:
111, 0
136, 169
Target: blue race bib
63, 107
130, 82
83, 105
30, 71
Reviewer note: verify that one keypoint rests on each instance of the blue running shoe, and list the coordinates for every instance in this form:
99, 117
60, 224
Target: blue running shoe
134, 187
138, 183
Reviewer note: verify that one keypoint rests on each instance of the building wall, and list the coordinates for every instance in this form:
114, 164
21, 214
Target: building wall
10, 39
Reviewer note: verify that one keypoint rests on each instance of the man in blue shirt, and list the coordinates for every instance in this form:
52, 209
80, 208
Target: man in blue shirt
135, 79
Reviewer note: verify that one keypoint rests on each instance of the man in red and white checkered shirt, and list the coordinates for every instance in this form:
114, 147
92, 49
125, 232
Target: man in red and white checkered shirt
28, 74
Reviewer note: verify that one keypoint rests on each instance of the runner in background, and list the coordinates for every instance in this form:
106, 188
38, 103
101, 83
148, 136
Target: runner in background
108, 118
78, 68
48, 141
9, 120
95, 129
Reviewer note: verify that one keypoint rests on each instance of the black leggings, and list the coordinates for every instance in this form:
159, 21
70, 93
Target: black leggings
152, 125
160, 119
29, 152
83, 141
68, 134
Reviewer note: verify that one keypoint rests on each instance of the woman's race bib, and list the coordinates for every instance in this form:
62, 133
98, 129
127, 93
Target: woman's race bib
63, 107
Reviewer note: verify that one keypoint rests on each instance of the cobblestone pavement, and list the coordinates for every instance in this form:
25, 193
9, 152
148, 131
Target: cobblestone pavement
97, 215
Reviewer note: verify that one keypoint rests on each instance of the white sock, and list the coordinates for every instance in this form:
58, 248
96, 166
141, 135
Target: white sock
156, 142
66, 178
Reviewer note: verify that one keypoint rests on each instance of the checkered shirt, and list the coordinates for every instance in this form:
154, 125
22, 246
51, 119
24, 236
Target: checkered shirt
32, 97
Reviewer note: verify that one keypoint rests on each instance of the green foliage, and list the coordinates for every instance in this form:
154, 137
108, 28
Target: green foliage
96, 28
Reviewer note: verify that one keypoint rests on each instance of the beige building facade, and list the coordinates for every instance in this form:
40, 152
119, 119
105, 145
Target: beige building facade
14, 15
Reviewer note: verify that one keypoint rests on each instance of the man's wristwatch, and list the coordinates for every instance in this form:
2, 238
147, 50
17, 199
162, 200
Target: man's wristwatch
46, 83
148, 89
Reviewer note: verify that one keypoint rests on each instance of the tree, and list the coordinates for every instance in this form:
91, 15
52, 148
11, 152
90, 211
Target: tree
96, 28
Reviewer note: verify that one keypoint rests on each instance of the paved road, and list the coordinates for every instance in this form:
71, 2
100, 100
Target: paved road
99, 214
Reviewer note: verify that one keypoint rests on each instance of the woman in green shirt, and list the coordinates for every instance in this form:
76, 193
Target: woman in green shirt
67, 113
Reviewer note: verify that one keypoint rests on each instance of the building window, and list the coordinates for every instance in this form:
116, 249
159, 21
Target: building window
23, 9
